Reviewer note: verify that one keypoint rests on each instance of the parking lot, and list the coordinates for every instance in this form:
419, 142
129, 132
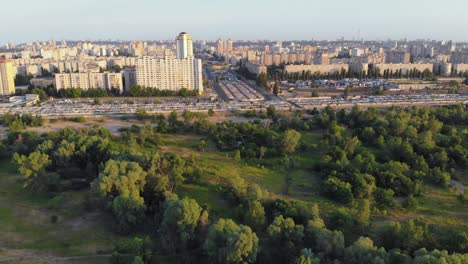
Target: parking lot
236, 90
429, 99
244, 98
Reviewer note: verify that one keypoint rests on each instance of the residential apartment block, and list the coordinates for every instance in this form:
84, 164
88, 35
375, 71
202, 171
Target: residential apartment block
170, 73
89, 80
7, 78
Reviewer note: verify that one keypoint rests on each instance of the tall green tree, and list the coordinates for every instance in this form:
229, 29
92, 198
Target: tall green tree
285, 234
228, 242
121, 178
289, 142
33, 168
179, 222
255, 215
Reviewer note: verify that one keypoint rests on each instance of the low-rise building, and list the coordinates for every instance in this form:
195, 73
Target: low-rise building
322, 69
404, 68
460, 68
43, 82
255, 68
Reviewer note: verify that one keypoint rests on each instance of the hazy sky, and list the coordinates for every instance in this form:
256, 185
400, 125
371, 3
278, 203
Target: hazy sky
30, 20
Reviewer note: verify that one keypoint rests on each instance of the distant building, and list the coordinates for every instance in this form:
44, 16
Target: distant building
402, 57
404, 68
321, 58
42, 82
220, 45
89, 80
130, 79
26, 100
255, 68
422, 51
170, 73
229, 45
7, 78
184, 46
442, 68
322, 69
137, 49
460, 68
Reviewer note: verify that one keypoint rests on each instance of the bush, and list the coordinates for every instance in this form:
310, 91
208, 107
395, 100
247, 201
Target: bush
339, 190
54, 219
410, 203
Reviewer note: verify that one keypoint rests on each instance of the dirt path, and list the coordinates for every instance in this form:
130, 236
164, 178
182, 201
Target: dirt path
24, 256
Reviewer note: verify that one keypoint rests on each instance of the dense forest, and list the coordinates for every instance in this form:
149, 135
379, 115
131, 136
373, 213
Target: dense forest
371, 161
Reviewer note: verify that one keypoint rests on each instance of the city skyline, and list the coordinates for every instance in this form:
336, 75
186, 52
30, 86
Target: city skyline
239, 20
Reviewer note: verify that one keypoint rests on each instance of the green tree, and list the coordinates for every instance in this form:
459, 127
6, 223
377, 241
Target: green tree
32, 167
339, 190
180, 219
138, 260
202, 145
384, 198
362, 213
42, 94
329, 244
97, 101
228, 242
411, 203
121, 178
255, 215
128, 212
453, 83
262, 151
363, 251
271, 112
237, 155
289, 142
211, 112
285, 234
141, 114
276, 89
307, 257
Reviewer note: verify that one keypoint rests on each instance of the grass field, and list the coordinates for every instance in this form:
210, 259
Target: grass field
269, 174
438, 205
27, 226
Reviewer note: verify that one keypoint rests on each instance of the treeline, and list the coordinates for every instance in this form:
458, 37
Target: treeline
135, 91
19, 122
139, 91
252, 140
427, 74
44, 93
414, 147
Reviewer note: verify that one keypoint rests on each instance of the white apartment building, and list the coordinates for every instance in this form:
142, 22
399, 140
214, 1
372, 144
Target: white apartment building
184, 46
90, 80
170, 73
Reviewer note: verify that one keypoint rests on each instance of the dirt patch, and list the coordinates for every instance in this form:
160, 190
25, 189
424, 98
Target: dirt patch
112, 124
